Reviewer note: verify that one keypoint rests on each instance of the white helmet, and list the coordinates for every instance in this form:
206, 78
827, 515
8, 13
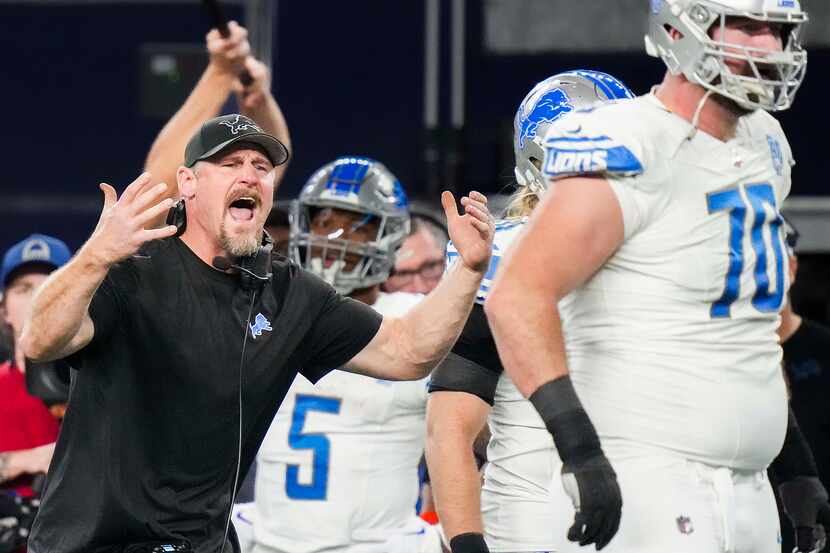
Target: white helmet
545, 103
775, 77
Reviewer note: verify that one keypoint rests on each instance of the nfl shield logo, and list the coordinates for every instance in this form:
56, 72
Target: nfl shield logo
684, 524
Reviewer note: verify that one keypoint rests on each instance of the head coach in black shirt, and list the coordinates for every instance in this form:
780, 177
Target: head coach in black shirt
186, 345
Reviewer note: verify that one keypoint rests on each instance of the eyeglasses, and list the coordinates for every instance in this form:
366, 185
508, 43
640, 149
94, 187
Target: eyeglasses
429, 270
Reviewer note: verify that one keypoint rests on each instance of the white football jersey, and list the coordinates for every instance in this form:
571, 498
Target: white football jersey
672, 344
338, 469
518, 510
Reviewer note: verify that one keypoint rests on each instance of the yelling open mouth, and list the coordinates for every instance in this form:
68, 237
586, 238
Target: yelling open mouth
243, 208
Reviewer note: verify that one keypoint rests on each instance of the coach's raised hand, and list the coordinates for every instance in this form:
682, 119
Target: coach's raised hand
471, 233
125, 223
59, 323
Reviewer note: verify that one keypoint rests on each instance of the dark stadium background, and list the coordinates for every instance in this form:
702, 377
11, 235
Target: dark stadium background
77, 107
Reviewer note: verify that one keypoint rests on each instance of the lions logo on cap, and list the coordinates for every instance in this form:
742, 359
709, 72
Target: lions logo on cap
240, 123
35, 250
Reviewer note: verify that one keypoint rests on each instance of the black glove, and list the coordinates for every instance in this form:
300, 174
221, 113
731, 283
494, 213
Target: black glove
471, 542
802, 494
587, 476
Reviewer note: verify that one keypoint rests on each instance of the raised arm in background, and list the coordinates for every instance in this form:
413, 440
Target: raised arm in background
228, 57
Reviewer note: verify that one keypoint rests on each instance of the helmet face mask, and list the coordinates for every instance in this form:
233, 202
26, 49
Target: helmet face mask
348, 223
545, 103
771, 78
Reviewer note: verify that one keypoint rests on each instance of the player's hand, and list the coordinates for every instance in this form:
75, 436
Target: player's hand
228, 55
257, 92
122, 227
471, 233
805, 502
593, 489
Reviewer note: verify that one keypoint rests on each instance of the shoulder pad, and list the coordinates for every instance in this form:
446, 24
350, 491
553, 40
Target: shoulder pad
600, 141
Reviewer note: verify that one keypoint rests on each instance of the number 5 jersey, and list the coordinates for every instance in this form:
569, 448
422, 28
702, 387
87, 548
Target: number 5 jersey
338, 470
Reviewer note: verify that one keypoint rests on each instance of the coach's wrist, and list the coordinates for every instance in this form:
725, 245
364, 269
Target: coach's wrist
471, 542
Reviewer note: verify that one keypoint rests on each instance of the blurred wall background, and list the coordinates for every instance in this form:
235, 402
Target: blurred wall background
88, 84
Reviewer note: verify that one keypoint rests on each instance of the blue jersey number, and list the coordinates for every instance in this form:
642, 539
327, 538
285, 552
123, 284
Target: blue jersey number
317, 443
760, 201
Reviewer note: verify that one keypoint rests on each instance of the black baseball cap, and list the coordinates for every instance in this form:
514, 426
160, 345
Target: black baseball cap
219, 133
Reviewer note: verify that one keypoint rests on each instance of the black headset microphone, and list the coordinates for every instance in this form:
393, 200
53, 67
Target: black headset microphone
224, 264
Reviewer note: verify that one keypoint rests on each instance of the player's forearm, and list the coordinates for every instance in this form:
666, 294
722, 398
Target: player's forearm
204, 102
59, 307
433, 326
456, 485
528, 335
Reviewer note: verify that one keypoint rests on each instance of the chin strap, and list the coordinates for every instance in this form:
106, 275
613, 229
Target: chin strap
696, 116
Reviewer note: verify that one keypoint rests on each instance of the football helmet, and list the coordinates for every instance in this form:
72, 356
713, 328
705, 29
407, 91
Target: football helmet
545, 103
775, 76
361, 186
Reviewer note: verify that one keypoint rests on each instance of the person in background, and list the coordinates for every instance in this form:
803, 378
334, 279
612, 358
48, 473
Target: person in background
514, 510
807, 368
27, 429
420, 262
338, 469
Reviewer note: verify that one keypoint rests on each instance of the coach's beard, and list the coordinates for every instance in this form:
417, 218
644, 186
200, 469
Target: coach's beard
243, 244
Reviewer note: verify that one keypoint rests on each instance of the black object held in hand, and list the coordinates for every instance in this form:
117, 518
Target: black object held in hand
221, 24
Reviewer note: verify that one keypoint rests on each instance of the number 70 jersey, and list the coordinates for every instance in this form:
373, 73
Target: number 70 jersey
672, 343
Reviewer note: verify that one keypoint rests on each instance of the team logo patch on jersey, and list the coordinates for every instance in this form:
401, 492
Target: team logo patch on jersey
786, 3
550, 107
775, 154
569, 156
684, 525
260, 325
236, 125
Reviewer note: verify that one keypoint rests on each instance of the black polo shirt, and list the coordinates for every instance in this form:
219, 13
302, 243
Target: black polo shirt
148, 448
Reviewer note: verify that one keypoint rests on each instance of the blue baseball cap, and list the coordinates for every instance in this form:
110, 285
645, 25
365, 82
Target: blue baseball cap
37, 248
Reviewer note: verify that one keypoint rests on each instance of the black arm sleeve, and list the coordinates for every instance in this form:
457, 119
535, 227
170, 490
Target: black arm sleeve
796, 457
473, 365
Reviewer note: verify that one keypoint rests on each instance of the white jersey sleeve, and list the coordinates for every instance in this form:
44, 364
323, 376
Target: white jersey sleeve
338, 468
672, 343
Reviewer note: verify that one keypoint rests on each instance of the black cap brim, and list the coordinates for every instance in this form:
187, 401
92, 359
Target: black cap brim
276, 150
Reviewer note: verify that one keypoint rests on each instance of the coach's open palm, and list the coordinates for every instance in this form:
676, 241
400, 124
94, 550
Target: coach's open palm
471, 233
121, 228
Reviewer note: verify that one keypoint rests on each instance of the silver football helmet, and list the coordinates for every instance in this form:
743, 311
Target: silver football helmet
775, 76
545, 103
361, 186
